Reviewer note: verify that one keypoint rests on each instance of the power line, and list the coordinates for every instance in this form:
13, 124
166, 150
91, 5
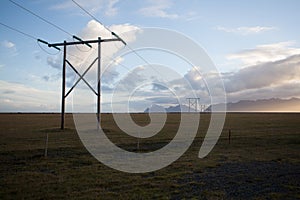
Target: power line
27, 35
61, 29
41, 18
92, 16
18, 31
34, 38
45, 20
131, 49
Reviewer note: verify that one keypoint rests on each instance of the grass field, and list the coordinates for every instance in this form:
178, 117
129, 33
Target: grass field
262, 160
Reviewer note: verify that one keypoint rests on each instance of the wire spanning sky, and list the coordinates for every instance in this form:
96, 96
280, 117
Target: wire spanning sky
254, 44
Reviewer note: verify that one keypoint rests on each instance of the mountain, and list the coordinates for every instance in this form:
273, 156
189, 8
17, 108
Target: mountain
155, 108
179, 108
262, 105
171, 109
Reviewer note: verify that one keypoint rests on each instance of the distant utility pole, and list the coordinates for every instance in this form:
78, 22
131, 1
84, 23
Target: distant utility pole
81, 76
202, 108
193, 102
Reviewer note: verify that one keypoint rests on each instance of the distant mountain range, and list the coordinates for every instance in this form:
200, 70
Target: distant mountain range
170, 109
261, 105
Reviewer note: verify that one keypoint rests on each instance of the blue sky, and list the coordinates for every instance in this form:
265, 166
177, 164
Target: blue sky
255, 45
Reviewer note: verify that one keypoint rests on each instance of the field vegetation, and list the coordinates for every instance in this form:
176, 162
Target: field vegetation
262, 160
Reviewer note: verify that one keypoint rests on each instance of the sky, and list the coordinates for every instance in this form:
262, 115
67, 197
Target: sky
254, 45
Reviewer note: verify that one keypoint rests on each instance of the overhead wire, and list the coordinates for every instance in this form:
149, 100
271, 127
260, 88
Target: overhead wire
25, 34
68, 33
41, 18
16, 30
48, 22
44, 20
108, 29
92, 16
34, 38
61, 29
126, 44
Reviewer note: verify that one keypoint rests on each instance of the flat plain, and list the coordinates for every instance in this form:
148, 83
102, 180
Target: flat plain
262, 160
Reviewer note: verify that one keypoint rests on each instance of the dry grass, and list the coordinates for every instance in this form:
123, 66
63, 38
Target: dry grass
70, 172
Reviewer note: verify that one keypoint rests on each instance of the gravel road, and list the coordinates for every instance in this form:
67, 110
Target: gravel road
247, 180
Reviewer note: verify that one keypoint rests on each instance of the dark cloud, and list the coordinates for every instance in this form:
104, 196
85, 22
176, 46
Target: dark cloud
54, 62
51, 77
284, 91
263, 75
162, 100
106, 88
46, 78
109, 75
158, 87
194, 79
8, 91
132, 80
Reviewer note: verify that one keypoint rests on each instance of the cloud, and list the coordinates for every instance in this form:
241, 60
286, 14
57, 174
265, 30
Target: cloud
158, 87
191, 16
162, 100
246, 30
265, 80
94, 29
159, 8
91, 31
46, 78
8, 44
54, 62
81, 56
51, 77
92, 6
283, 91
18, 97
109, 75
195, 79
111, 10
265, 53
132, 80
8, 91
273, 79
10, 47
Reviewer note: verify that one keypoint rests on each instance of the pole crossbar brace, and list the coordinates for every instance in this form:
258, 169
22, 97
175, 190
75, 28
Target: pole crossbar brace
81, 76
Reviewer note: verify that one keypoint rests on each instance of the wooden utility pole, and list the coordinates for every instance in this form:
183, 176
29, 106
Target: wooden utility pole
81, 76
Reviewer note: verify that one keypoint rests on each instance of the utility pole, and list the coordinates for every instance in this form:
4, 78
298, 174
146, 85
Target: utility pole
62, 124
81, 76
202, 108
193, 102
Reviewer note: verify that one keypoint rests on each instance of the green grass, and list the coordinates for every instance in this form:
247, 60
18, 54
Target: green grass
70, 172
